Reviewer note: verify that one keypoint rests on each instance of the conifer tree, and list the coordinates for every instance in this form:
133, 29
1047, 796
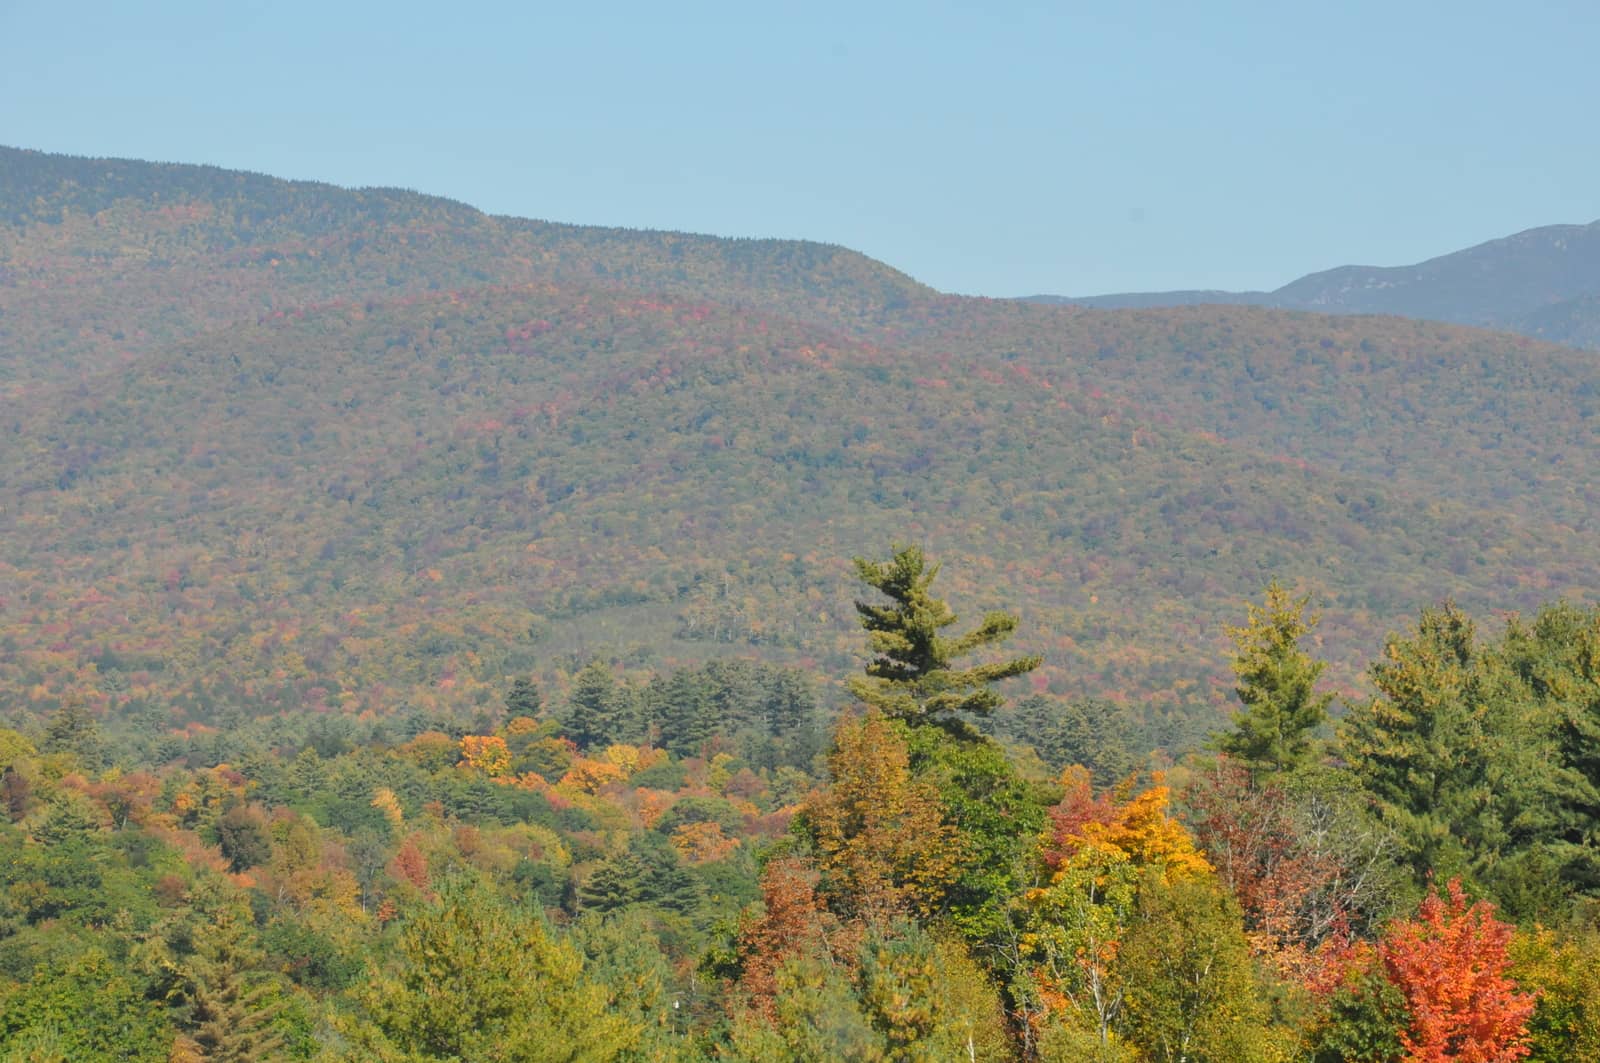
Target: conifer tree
1277, 681
598, 712
523, 699
911, 676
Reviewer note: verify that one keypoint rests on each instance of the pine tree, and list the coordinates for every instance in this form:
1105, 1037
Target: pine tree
599, 711
910, 677
523, 699
791, 703
1277, 681
72, 729
221, 992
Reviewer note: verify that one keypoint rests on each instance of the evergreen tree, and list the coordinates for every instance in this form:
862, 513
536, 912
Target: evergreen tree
791, 703
523, 699
1277, 681
911, 677
215, 978
1460, 757
684, 708
1558, 658
73, 730
1407, 745
1099, 735
598, 709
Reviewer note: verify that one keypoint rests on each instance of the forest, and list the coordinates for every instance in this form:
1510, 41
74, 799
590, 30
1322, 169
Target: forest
427, 635
711, 864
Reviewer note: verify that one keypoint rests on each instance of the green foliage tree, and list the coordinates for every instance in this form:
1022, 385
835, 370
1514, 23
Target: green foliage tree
1277, 681
523, 699
1191, 990
996, 814
474, 978
599, 709
818, 1019
1362, 1018
911, 676
243, 837
623, 953
90, 1009
929, 998
1458, 756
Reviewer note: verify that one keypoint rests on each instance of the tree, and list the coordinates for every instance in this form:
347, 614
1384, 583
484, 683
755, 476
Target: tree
598, 708
523, 699
1303, 856
1558, 658
1191, 991
89, 1009
1451, 964
1458, 755
882, 842
1103, 853
910, 676
212, 971
72, 729
996, 814
929, 998
243, 836
474, 978
1277, 682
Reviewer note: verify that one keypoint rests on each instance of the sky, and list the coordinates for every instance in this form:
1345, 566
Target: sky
1013, 149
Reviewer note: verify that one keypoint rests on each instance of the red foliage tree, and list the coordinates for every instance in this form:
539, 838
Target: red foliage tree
1450, 963
792, 922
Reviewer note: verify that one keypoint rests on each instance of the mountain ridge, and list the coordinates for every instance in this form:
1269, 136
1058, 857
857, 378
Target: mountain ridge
1540, 282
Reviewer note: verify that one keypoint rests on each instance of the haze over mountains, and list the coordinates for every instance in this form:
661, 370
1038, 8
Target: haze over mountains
1544, 282
270, 445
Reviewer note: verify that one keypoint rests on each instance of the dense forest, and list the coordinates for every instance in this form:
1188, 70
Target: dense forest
269, 447
705, 864
429, 635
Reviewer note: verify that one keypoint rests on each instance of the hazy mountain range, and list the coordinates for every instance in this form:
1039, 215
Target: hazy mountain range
1544, 282
278, 446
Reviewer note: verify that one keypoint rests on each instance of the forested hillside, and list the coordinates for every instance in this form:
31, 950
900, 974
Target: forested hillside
271, 445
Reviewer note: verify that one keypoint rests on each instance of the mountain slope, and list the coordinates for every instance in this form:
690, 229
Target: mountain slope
290, 448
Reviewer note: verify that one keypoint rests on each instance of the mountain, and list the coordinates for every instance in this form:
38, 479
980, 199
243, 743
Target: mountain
273, 446
1544, 282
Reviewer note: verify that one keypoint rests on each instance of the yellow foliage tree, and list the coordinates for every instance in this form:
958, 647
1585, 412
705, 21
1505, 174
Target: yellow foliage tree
882, 844
486, 753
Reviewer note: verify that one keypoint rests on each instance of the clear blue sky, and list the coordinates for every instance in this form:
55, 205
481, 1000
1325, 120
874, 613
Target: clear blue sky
1070, 148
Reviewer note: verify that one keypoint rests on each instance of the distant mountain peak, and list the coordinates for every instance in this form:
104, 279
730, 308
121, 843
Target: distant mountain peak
1539, 282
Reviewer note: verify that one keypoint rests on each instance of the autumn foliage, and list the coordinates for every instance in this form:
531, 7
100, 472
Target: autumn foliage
1451, 964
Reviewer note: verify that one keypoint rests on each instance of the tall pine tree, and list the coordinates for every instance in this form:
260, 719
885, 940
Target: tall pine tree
911, 676
1277, 681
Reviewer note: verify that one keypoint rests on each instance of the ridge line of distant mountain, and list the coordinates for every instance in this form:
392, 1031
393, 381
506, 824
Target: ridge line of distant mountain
36, 185
1542, 282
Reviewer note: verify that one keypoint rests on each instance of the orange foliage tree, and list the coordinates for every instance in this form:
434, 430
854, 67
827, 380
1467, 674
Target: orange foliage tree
1450, 962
